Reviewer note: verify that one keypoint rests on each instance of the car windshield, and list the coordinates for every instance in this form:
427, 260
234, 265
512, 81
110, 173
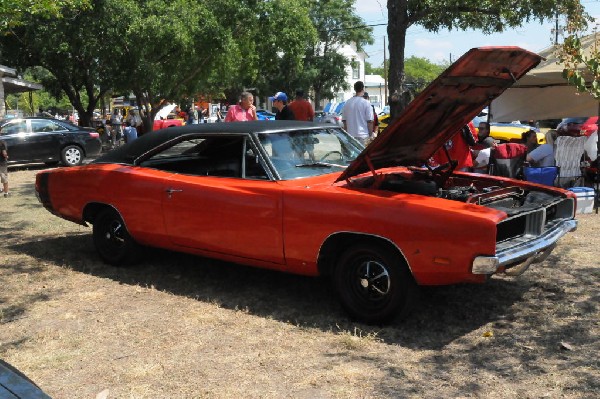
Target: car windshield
296, 154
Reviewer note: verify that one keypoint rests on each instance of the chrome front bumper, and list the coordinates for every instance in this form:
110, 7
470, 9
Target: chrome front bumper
526, 251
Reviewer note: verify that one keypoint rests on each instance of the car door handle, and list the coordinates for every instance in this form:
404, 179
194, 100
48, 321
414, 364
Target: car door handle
170, 191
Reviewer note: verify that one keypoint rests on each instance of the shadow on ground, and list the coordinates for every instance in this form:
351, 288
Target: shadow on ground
446, 312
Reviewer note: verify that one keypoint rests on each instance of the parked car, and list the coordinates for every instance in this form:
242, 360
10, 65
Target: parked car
323, 117
384, 121
309, 199
48, 140
16, 385
264, 115
165, 123
509, 132
583, 126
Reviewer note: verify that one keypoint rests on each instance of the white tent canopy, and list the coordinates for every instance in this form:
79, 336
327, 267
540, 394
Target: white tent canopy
544, 94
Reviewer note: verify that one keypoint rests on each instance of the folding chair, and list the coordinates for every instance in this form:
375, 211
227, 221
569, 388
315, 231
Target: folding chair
507, 160
568, 152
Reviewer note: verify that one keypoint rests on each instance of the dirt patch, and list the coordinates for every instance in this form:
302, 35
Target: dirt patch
178, 326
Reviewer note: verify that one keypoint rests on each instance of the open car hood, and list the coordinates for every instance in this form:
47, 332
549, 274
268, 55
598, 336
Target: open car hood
444, 107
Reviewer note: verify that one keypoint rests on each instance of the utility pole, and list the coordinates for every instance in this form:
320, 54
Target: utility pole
385, 72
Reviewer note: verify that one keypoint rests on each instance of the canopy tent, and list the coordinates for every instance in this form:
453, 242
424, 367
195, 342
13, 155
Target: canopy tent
544, 94
10, 83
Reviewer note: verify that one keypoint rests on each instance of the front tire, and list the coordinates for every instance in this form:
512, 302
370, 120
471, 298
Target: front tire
112, 240
374, 284
72, 155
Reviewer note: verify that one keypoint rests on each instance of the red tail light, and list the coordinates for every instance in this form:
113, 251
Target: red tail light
95, 135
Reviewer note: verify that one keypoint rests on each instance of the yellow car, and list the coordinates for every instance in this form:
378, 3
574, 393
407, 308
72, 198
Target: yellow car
511, 132
502, 132
384, 120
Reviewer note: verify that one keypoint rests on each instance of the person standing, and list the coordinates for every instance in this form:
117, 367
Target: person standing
4, 168
284, 113
130, 132
302, 109
358, 115
116, 121
244, 111
375, 118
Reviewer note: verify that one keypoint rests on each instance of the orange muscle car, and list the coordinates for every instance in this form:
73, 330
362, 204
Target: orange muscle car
307, 198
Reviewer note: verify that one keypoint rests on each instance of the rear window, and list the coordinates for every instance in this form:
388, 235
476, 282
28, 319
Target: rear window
574, 120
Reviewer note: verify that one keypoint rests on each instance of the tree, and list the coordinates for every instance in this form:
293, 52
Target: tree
285, 32
420, 72
581, 65
380, 70
161, 61
336, 24
13, 12
125, 46
71, 49
486, 15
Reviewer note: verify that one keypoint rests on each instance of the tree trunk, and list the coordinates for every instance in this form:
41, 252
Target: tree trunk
398, 24
317, 100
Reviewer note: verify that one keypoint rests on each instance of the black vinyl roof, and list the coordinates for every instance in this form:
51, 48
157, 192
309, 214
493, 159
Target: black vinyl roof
128, 153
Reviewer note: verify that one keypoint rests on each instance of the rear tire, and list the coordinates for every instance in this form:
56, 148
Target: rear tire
374, 284
112, 240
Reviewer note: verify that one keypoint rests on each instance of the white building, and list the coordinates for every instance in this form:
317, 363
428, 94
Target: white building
374, 84
354, 72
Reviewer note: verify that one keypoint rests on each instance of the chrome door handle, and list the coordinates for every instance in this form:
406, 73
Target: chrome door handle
170, 191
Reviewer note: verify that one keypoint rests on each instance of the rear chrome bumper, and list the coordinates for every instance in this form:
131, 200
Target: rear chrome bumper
515, 259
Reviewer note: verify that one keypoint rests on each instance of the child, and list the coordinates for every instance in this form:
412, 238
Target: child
4, 167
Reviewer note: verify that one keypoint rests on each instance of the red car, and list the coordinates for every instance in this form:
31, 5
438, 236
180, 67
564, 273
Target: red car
165, 123
307, 198
582, 126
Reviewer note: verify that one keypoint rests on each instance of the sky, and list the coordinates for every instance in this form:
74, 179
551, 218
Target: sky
449, 45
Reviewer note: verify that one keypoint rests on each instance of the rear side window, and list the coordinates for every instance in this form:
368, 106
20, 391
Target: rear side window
14, 127
38, 126
213, 155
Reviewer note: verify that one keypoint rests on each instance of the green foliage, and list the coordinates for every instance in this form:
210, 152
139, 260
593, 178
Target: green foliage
15, 12
336, 25
489, 16
581, 62
420, 71
174, 50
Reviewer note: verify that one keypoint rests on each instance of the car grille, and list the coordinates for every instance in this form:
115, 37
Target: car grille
525, 226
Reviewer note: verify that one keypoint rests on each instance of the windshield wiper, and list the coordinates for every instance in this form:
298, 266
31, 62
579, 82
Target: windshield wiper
322, 164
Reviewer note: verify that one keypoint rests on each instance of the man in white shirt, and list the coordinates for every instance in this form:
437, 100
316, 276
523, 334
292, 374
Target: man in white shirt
358, 115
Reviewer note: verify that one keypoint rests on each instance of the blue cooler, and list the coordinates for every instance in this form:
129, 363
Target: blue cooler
546, 175
585, 199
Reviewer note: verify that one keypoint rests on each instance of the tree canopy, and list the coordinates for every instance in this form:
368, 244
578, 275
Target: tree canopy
581, 65
14, 12
337, 25
173, 50
489, 16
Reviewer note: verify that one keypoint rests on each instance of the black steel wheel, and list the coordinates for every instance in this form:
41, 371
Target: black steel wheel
374, 284
112, 240
71, 155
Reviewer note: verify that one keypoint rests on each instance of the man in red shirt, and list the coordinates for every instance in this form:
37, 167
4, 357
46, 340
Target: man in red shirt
459, 149
301, 108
